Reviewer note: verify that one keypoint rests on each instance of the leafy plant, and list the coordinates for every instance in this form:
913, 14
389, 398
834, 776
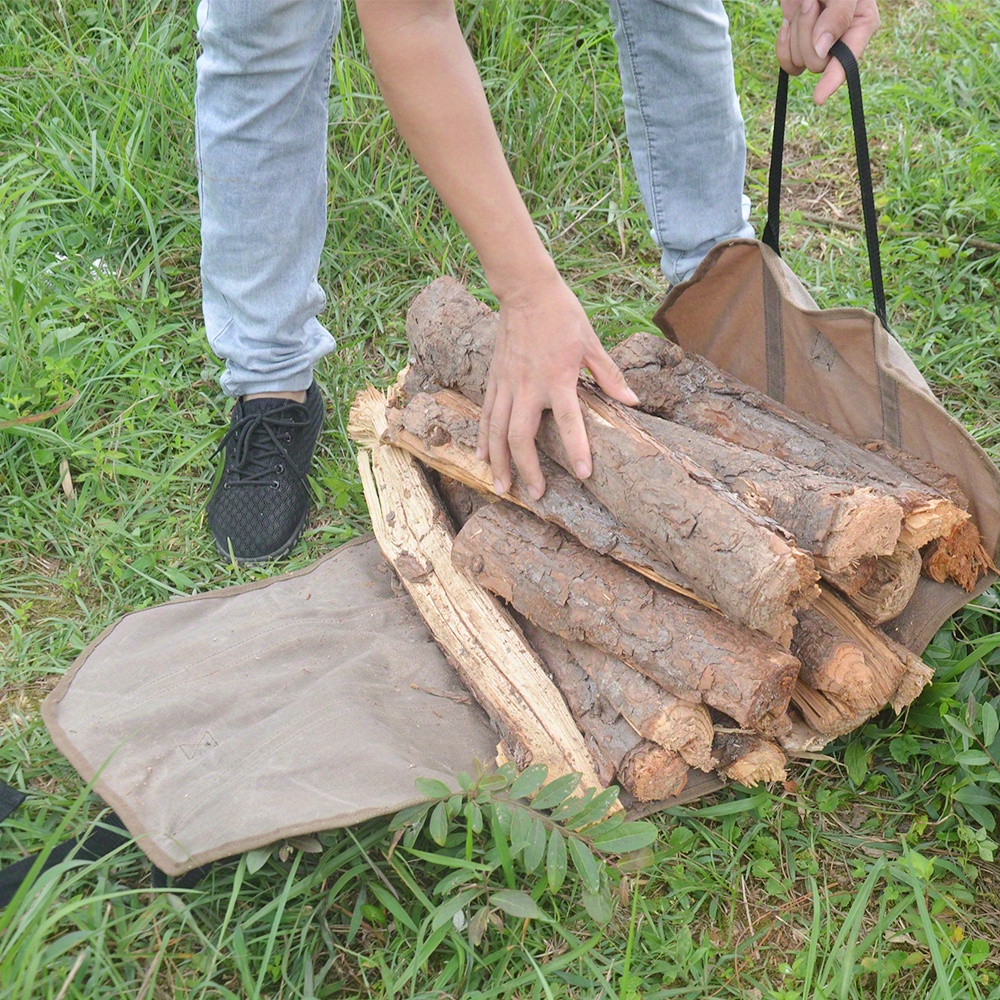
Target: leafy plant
504, 829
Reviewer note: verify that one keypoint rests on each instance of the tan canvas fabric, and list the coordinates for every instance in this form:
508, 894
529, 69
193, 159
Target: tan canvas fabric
223, 722
746, 311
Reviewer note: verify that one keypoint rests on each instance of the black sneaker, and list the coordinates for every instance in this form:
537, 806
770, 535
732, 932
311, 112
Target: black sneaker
261, 501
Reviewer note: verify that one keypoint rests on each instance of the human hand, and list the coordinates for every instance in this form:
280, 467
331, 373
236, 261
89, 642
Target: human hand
544, 340
810, 27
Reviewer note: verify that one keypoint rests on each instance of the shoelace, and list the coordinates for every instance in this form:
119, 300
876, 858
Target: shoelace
257, 443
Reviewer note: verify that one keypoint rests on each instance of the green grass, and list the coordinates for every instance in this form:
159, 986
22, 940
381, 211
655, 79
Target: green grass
871, 874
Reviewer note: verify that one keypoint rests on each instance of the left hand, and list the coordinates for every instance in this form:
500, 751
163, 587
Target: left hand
810, 27
545, 338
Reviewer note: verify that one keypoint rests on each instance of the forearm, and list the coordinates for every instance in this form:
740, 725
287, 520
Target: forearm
431, 87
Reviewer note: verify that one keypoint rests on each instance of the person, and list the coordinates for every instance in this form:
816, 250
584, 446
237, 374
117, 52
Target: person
263, 79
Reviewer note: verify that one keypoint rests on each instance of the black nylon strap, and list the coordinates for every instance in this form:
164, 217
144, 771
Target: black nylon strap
10, 799
103, 839
772, 227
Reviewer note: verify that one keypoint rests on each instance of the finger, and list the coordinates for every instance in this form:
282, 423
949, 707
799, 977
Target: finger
834, 22
524, 421
783, 49
485, 418
855, 39
573, 431
832, 78
803, 53
609, 377
498, 449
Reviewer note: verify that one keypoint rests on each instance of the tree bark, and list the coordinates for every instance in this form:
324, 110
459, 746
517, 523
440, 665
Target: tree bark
837, 523
562, 586
656, 715
690, 390
644, 768
680, 510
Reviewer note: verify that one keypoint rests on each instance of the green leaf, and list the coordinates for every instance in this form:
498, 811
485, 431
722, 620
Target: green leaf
973, 758
534, 850
990, 722
432, 788
586, 864
856, 759
556, 791
447, 910
257, 858
597, 809
474, 815
628, 837
972, 795
606, 825
555, 861
477, 926
520, 830
529, 781
598, 905
438, 826
517, 904
565, 812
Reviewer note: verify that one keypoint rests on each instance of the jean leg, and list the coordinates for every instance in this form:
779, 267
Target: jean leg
261, 108
684, 125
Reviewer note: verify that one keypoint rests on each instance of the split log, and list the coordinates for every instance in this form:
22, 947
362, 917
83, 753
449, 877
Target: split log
690, 390
849, 672
441, 428
562, 586
836, 522
476, 634
680, 510
961, 558
644, 768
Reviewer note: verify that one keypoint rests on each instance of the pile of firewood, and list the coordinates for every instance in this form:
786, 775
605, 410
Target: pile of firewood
708, 601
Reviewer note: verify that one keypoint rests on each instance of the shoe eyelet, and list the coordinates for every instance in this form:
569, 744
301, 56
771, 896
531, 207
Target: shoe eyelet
275, 484
280, 469
225, 486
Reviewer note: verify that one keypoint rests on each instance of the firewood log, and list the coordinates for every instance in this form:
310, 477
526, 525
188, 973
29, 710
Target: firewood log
694, 653
837, 523
690, 390
680, 510
644, 768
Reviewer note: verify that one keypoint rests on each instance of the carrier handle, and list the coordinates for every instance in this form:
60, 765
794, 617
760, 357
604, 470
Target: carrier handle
770, 236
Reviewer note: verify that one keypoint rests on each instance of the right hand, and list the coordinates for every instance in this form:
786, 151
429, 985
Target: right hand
810, 27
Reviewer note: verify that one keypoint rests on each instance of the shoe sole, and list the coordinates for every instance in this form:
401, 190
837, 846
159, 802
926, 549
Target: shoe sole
287, 547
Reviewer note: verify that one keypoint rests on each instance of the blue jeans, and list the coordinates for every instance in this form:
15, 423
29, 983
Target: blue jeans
261, 129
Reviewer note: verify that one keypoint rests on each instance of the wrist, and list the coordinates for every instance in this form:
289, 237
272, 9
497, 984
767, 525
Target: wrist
522, 277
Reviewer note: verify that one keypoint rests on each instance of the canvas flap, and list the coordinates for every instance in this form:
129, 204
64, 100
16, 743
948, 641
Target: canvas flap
745, 311
223, 722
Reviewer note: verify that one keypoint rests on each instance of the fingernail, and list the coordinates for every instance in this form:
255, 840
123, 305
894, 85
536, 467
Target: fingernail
499, 488
631, 398
535, 491
807, 6
783, 30
824, 44
582, 469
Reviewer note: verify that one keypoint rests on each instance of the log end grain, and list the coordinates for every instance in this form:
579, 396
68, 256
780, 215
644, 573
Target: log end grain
888, 590
651, 773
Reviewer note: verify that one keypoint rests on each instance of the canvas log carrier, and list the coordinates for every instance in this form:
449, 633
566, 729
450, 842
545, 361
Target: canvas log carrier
223, 722
745, 311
